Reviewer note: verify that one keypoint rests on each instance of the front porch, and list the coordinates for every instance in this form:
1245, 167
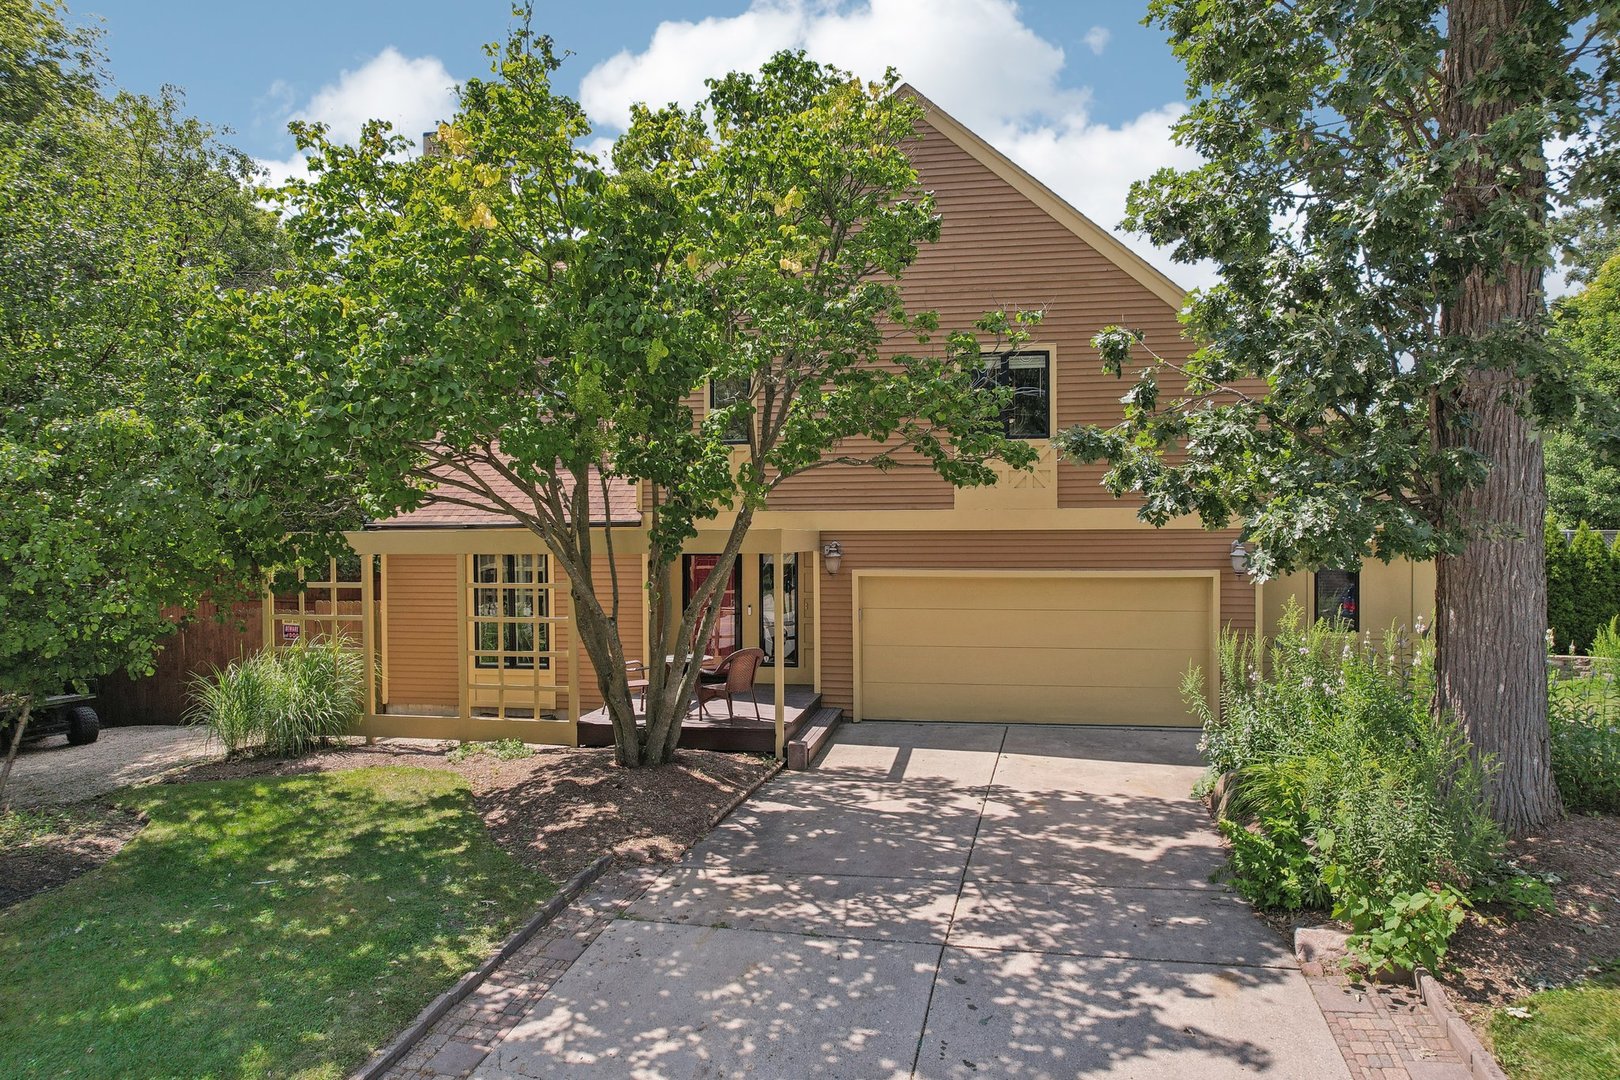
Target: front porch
743, 733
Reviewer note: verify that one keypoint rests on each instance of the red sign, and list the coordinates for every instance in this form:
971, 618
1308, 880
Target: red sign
290, 631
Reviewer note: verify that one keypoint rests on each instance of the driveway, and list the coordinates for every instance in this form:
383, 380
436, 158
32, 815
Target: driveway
939, 900
50, 771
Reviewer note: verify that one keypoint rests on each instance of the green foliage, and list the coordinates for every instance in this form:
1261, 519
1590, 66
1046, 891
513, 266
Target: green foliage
119, 215
1561, 590
501, 750
1583, 451
299, 921
1593, 583
510, 305
1519, 894
285, 701
1340, 786
1584, 715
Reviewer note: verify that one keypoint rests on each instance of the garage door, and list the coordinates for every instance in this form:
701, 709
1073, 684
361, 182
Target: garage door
1040, 650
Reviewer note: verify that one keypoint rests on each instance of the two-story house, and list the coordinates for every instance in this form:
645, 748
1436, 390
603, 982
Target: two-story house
1041, 599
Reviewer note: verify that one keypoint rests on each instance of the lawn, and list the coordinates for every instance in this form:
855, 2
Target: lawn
273, 926
1569, 1034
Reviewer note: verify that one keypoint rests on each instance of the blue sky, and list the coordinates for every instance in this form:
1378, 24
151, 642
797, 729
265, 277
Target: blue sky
1078, 92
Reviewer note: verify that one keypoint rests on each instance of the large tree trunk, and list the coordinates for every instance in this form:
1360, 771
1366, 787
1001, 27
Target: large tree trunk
1491, 602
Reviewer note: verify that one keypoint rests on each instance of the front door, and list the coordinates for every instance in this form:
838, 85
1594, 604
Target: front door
695, 570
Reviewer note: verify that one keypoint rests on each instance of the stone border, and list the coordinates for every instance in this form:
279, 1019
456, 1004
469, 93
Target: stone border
390, 1055
1461, 1036
402, 1043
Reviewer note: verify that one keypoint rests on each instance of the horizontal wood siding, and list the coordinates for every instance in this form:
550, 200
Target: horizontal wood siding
1123, 550
421, 630
999, 250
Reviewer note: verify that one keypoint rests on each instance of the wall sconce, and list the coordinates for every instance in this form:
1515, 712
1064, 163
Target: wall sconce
1240, 558
831, 555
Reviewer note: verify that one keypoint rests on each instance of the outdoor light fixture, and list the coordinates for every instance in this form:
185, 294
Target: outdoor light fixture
1240, 558
832, 554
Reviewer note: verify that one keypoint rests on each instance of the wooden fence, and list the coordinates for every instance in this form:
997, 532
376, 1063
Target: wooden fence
202, 644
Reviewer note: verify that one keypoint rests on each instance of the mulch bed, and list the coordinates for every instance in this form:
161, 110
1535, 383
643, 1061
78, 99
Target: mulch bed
1500, 961
81, 838
559, 808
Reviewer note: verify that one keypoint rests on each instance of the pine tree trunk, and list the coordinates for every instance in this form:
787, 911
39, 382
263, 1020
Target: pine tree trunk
1491, 600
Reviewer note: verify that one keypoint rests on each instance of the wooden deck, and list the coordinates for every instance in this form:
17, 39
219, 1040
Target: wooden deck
740, 734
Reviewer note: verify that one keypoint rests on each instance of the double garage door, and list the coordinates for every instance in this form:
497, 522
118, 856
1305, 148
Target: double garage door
1048, 649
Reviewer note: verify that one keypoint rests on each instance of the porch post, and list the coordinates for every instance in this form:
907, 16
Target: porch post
368, 633
463, 644
779, 669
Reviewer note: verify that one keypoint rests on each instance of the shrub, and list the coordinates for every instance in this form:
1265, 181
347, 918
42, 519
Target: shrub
1342, 787
1584, 722
502, 750
285, 701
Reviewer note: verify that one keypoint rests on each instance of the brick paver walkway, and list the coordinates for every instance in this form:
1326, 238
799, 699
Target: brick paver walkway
460, 1040
1385, 1032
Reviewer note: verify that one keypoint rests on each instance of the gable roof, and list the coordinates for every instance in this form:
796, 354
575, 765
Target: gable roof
1106, 243
619, 507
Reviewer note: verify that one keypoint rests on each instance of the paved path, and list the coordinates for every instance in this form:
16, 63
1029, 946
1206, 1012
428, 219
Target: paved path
941, 901
50, 771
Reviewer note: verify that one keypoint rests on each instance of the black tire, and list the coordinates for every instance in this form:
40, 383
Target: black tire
83, 725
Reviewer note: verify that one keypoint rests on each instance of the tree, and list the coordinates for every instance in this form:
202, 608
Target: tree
1583, 450
1561, 589
1374, 365
1596, 592
117, 215
507, 306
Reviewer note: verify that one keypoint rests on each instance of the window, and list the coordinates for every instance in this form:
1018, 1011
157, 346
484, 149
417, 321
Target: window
727, 636
509, 606
724, 393
789, 608
1028, 415
1338, 597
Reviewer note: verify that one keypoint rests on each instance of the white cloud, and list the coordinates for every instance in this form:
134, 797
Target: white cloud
412, 93
975, 58
1097, 39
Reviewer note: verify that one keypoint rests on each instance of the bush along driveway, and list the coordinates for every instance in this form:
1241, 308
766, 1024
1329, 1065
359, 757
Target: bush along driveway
941, 901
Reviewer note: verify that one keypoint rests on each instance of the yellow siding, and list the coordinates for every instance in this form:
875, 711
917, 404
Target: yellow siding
1392, 594
421, 631
1111, 550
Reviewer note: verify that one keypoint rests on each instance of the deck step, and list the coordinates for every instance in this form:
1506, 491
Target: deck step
815, 733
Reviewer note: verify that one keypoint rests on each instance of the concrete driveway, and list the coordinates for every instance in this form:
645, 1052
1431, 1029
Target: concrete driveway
939, 900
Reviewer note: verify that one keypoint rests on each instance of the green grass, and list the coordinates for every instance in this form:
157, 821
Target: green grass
258, 928
1571, 1034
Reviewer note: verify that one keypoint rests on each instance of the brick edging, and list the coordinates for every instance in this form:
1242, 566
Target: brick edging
744, 795
395, 1051
1462, 1038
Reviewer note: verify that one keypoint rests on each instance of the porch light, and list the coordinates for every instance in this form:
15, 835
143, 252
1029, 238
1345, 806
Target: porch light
832, 554
1240, 558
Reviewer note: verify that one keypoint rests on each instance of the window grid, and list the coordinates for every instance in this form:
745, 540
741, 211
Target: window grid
509, 605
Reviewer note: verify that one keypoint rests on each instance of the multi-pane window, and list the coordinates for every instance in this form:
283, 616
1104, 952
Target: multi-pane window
724, 393
1027, 413
510, 606
1338, 597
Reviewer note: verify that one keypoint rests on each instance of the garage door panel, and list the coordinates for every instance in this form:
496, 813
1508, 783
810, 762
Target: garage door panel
948, 628
1027, 704
1042, 667
1035, 649
1050, 593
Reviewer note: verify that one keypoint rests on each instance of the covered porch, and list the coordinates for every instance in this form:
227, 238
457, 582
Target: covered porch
714, 730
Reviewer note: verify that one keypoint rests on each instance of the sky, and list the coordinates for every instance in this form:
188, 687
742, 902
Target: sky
1076, 91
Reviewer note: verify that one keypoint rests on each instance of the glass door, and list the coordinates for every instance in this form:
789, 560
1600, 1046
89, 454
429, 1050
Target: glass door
695, 570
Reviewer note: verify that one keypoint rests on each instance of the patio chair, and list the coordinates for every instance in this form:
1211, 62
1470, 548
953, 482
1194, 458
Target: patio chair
635, 676
733, 675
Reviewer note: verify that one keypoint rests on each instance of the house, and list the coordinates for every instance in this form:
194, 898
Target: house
1041, 599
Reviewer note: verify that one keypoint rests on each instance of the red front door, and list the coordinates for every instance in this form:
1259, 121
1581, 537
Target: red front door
696, 570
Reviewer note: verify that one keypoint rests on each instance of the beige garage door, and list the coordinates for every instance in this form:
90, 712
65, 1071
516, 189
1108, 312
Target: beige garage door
1039, 650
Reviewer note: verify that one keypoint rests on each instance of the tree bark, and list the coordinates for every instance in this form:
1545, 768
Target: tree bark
1491, 597
11, 752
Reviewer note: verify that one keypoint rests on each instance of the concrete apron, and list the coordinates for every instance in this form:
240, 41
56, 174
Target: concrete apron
939, 900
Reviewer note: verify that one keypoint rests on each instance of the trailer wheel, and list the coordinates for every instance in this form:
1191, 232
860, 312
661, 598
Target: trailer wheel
83, 726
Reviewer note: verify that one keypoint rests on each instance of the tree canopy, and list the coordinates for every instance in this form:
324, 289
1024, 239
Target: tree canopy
1375, 192
508, 322
1583, 450
118, 216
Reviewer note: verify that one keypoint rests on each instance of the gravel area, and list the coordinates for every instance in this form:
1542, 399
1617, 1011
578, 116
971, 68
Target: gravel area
51, 772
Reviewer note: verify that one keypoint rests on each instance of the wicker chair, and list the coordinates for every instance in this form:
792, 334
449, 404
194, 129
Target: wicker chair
733, 675
635, 676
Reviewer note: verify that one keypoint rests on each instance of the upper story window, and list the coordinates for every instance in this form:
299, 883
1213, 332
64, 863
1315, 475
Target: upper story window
724, 393
1338, 597
1028, 415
